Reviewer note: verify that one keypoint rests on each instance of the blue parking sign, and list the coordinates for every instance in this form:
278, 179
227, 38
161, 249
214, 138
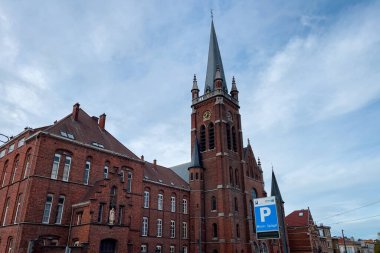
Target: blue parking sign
266, 217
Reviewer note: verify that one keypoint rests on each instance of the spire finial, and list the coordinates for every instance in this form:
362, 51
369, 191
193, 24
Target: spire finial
249, 143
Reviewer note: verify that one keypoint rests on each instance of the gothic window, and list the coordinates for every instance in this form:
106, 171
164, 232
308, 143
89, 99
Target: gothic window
214, 230
129, 181
15, 167
61, 201
15, 220
238, 230
10, 245
236, 204
234, 145
211, 137
5, 212
237, 177
203, 138
4, 174
106, 169
47, 208
254, 193
27, 163
213, 203
86, 174
228, 136
231, 176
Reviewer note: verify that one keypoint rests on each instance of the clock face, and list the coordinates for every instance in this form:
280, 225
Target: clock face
206, 115
229, 116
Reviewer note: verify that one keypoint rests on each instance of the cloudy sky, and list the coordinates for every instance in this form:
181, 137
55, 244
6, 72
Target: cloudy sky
307, 72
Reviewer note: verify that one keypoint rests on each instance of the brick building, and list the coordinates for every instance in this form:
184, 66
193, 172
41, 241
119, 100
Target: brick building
72, 186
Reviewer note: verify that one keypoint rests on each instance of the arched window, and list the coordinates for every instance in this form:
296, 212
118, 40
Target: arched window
211, 137
27, 163
86, 173
234, 144
254, 193
213, 203
4, 174
236, 204
231, 176
214, 230
238, 230
146, 198
228, 136
184, 206
237, 177
10, 245
106, 169
129, 181
265, 248
15, 167
203, 138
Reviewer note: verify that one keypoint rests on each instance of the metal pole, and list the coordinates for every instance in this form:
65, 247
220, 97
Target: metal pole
344, 242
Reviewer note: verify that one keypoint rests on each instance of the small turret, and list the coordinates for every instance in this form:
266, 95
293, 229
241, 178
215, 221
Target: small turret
234, 91
218, 80
195, 90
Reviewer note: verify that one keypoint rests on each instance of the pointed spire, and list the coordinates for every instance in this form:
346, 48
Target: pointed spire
275, 190
214, 59
233, 88
196, 156
195, 83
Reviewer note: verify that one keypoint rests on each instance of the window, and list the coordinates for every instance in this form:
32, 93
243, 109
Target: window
47, 209
184, 206
100, 212
213, 203
211, 139
15, 167
11, 148
144, 248
27, 163
129, 181
145, 226
97, 145
146, 199
159, 227
236, 177
66, 169
61, 201
67, 135
254, 193
172, 204
122, 173
5, 212
191, 176
231, 176
10, 245
15, 220
4, 175
214, 230
2, 153
184, 249
172, 229
120, 216
54, 170
172, 249
158, 249
234, 146
184, 230
236, 204
237, 230
79, 218
160, 201
21, 142
105, 170
203, 138
87, 169
228, 136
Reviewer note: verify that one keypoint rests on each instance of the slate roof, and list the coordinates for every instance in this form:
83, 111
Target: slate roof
196, 156
86, 130
275, 190
299, 218
182, 170
164, 175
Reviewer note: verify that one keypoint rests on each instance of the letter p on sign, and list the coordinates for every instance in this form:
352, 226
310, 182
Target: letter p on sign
264, 212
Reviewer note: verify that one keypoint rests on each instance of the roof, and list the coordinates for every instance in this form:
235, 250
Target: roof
196, 156
86, 130
163, 175
182, 170
214, 61
275, 190
299, 218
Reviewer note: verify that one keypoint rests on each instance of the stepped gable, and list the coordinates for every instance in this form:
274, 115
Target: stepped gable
163, 175
87, 130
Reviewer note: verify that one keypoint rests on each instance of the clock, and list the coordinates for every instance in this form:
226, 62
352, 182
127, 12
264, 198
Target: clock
229, 116
206, 115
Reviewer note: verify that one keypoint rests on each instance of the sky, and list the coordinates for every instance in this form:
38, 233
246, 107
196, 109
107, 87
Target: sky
307, 72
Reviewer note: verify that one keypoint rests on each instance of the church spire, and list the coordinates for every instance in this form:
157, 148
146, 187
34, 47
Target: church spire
275, 191
196, 156
214, 61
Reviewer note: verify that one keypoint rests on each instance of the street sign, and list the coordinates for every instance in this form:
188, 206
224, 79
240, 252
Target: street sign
266, 218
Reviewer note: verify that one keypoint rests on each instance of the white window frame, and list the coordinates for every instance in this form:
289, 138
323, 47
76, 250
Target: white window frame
172, 201
66, 169
15, 167
143, 248
105, 171
172, 229
184, 206
146, 199
27, 163
55, 168
158, 249
172, 249
87, 169
145, 226
47, 209
6, 211
17, 208
159, 227
2, 153
184, 249
11, 148
129, 181
60, 208
160, 202
184, 230
21, 142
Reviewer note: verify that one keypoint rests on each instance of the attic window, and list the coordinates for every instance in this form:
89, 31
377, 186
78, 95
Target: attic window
67, 135
146, 177
2, 153
160, 180
97, 144
11, 148
300, 214
171, 183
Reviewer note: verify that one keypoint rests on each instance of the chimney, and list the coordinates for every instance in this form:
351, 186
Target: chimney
75, 113
142, 157
155, 163
102, 121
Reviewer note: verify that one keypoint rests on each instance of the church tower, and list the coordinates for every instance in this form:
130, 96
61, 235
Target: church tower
218, 206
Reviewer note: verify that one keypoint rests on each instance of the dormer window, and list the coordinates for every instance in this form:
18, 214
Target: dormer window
67, 135
21, 142
11, 148
97, 145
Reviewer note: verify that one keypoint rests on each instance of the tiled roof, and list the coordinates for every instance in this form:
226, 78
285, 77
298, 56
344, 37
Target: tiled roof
163, 175
299, 218
86, 130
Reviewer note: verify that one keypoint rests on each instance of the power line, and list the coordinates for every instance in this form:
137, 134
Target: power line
365, 218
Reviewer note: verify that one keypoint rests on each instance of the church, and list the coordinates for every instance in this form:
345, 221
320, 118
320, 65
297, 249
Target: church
73, 187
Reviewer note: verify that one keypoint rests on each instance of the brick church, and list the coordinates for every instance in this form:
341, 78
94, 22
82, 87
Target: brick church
73, 187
